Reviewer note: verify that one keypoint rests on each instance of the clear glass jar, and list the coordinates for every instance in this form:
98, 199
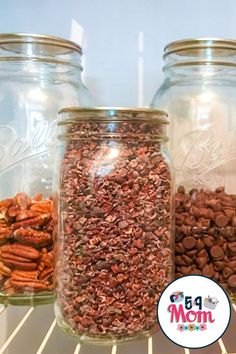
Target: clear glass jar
199, 93
38, 74
114, 245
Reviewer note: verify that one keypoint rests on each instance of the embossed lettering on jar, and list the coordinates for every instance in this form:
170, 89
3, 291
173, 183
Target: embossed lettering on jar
114, 249
199, 93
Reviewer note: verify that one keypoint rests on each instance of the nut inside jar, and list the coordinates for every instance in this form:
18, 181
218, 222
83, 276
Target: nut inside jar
114, 254
26, 256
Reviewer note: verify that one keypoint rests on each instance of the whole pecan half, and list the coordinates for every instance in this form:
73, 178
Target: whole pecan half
32, 237
34, 222
22, 200
20, 265
21, 250
29, 285
44, 206
33, 274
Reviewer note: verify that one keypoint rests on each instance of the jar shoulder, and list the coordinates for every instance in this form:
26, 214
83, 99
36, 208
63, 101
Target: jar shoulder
177, 91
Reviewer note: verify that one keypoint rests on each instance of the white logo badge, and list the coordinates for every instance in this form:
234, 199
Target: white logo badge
193, 311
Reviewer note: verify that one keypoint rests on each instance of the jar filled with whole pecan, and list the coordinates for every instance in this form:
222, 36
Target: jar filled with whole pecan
114, 244
199, 93
38, 74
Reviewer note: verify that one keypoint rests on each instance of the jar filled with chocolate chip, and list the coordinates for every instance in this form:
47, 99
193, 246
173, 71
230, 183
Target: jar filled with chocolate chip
38, 74
114, 242
199, 92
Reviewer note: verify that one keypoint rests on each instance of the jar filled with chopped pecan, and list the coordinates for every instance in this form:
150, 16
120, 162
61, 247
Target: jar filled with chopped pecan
199, 93
114, 244
37, 74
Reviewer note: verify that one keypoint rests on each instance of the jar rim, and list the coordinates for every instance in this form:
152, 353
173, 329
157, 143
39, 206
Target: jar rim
21, 38
110, 112
199, 43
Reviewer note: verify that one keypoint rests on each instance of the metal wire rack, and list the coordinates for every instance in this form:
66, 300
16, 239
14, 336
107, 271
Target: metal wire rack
33, 330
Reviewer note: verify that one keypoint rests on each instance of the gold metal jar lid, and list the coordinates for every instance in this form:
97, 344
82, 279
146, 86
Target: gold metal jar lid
200, 52
199, 43
116, 113
24, 38
23, 47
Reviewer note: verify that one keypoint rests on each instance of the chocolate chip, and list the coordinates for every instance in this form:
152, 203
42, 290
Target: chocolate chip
208, 270
200, 244
230, 213
222, 220
203, 253
214, 204
219, 265
209, 241
179, 260
189, 242
204, 212
186, 270
216, 252
232, 248
220, 241
191, 253
187, 260
232, 281
227, 272
209, 217
201, 261
179, 248
232, 264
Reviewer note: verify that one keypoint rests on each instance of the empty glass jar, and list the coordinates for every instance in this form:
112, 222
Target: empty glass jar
199, 93
38, 74
114, 244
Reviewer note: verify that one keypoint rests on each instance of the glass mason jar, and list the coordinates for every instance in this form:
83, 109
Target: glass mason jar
114, 244
199, 93
38, 74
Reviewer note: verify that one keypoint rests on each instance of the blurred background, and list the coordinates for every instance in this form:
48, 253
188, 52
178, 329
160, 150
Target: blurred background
123, 40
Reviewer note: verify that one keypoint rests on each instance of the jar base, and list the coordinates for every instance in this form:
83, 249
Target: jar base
103, 340
26, 300
106, 341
